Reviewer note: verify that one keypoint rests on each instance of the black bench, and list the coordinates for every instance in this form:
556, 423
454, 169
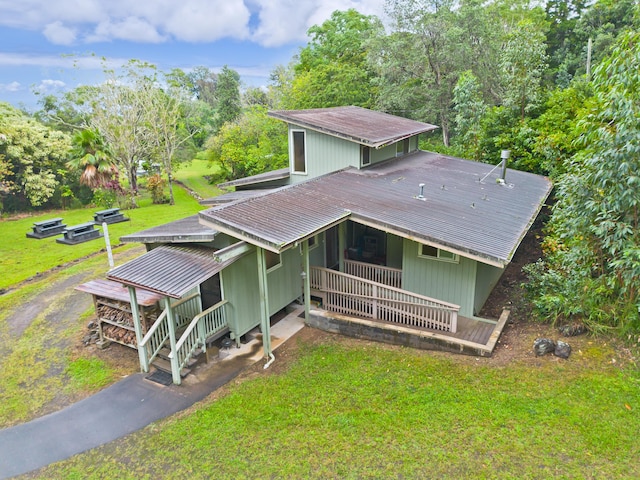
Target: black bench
47, 228
79, 233
108, 216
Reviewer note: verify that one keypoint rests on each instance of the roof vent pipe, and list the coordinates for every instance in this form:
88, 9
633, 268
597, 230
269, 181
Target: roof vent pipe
505, 157
421, 196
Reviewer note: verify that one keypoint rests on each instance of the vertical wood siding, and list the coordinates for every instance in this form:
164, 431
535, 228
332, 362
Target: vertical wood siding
486, 279
240, 287
285, 282
451, 282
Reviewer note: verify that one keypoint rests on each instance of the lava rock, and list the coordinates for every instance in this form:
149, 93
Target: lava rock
542, 346
562, 350
572, 330
91, 325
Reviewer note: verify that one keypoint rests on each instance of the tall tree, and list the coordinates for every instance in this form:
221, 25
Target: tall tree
229, 104
333, 68
470, 109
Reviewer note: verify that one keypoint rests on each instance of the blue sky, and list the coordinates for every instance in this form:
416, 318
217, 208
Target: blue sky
55, 45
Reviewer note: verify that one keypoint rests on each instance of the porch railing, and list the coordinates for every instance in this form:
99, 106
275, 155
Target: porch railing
203, 326
351, 295
375, 273
154, 340
185, 309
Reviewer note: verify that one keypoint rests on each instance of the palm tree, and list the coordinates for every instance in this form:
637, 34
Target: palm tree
92, 156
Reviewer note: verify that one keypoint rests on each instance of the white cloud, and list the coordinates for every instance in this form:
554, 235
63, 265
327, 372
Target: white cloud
10, 87
134, 29
48, 86
280, 21
58, 34
88, 62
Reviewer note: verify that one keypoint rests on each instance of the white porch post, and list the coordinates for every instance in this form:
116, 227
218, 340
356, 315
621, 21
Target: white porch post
264, 304
307, 279
171, 321
135, 313
342, 244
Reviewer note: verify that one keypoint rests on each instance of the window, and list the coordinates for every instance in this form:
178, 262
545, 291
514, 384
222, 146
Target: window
365, 155
428, 251
299, 154
272, 260
402, 148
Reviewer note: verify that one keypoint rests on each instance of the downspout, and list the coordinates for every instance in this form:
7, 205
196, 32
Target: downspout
306, 278
264, 307
175, 369
135, 313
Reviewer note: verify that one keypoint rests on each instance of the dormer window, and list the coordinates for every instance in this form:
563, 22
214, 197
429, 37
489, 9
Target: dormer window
365, 155
299, 151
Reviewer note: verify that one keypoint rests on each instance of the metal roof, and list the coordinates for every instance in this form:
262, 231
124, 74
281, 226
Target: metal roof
234, 196
115, 291
279, 174
357, 124
483, 220
169, 270
185, 230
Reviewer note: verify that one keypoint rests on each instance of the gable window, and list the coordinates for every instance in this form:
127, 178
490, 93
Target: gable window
365, 155
428, 251
299, 153
272, 260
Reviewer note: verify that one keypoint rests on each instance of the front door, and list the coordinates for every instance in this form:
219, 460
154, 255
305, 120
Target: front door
210, 292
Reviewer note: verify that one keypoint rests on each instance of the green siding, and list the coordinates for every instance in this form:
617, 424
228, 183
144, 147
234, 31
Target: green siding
382, 154
394, 251
486, 279
448, 281
324, 154
316, 253
285, 281
240, 288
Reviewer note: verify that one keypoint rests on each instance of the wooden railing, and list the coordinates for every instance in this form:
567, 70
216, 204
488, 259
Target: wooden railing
154, 340
375, 273
351, 295
185, 309
203, 326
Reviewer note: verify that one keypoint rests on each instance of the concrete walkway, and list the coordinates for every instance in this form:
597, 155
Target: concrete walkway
124, 407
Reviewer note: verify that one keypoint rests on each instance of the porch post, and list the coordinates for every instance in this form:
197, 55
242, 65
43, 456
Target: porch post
307, 279
135, 313
342, 244
171, 321
264, 304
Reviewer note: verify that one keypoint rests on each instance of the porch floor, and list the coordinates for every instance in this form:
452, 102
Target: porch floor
473, 337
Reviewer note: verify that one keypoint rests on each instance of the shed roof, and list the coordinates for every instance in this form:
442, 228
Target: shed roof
170, 270
357, 124
185, 230
480, 219
279, 174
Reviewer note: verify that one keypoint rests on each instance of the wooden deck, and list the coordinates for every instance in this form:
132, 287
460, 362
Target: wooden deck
473, 337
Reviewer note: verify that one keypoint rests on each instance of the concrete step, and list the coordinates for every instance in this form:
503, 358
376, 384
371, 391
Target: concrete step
165, 366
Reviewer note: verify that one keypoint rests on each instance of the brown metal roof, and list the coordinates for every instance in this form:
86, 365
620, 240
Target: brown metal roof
185, 230
367, 127
234, 196
115, 291
279, 174
483, 220
169, 270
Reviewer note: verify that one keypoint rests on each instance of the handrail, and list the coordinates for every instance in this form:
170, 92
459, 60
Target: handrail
156, 341
350, 294
375, 273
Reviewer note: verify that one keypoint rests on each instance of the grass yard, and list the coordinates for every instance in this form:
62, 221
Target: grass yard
352, 409
22, 258
193, 176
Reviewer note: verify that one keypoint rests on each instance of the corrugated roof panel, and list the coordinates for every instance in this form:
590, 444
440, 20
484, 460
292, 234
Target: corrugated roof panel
484, 219
170, 270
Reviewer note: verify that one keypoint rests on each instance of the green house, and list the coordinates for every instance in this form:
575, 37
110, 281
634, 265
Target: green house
375, 238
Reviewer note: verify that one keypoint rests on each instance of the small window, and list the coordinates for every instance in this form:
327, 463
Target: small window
402, 148
272, 260
429, 251
313, 242
299, 154
365, 154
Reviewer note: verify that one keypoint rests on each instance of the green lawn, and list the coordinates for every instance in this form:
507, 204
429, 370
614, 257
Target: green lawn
22, 257
194, 174
370, 411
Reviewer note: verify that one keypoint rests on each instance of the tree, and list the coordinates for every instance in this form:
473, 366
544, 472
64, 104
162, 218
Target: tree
229, 104
470, 109
31, 156
593, 268
333, 68
92, 157
254, 143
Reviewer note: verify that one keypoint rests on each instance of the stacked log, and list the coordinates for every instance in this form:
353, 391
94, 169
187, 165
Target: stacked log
116, 315
119, 334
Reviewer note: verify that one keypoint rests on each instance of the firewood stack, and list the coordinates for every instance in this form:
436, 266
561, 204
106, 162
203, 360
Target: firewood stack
122, 317
119, 334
